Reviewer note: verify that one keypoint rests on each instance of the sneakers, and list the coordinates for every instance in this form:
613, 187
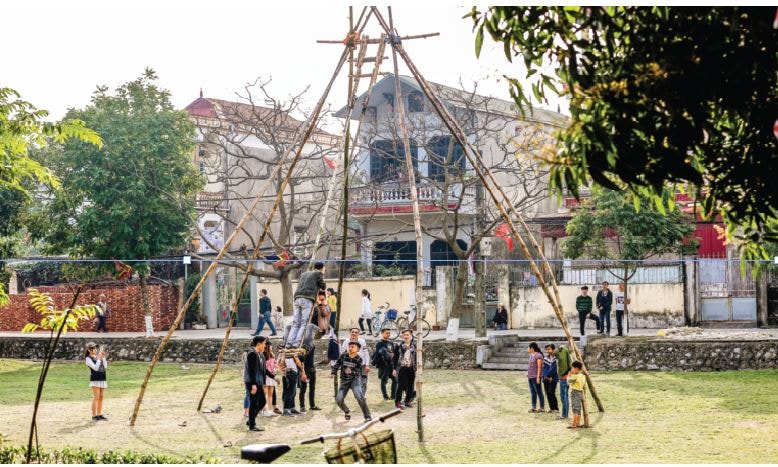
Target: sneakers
288, 413
347, 415
272, 334
295, 412
269, 413
256, 428
398, 405
99, 418
302, 408
315, 408
368, 419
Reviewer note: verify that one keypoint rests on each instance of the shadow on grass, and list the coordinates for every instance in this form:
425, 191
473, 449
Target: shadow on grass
160, 448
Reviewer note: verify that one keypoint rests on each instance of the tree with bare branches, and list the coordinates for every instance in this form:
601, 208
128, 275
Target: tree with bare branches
240, 144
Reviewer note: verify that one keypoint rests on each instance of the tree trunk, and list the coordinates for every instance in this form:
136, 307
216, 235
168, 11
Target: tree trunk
479, 310
459, 290
286, 294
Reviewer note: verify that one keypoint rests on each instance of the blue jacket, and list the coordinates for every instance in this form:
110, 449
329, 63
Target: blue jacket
549, 369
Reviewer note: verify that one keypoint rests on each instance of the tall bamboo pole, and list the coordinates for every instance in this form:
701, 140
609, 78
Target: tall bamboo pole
344, 205
311, 124
400, 105
473, 156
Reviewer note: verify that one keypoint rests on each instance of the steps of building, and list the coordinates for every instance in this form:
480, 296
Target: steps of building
503, 366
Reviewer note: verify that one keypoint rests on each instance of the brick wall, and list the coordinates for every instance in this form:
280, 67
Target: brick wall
125, 304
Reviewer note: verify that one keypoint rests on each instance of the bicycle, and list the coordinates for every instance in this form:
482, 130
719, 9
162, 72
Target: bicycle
375, 322
390, 322
377, 448
409, 322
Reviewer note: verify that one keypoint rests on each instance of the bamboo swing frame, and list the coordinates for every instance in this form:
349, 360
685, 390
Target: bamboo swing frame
498, 196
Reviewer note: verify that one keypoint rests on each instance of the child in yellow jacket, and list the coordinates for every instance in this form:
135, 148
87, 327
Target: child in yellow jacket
577, 382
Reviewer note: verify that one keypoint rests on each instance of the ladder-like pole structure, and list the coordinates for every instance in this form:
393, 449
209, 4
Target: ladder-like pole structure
310, 126
493, 189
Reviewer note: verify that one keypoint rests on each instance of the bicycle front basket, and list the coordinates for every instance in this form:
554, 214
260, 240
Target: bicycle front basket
377, 448
391, 314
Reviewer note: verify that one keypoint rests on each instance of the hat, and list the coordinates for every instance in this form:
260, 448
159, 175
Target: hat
355, 343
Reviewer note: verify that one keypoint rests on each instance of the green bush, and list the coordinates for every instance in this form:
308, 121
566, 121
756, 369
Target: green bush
16, 455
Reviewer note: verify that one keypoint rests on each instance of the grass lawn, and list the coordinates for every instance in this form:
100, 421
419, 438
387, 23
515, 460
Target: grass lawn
471, 416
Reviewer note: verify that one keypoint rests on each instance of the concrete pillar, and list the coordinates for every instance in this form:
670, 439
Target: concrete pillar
761, 300
691, 292
443, 295
504, 290
254, 300
210, 309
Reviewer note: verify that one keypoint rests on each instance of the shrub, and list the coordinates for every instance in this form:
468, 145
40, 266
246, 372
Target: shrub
16, 455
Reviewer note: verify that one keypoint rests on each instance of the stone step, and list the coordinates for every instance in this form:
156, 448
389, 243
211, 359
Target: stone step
503, 359
502, 366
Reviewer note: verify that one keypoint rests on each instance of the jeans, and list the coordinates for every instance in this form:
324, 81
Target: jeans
386, 374
355, 385
256, 402
101, 323
247, 399
582, 316
290, 389
265, 318
550, 388
502, 326
300, 318
406, 376
565, 396
619, 318
537, 393
310, 386
605, 318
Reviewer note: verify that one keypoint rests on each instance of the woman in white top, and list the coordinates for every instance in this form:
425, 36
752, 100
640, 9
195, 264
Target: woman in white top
97, 364
367, 313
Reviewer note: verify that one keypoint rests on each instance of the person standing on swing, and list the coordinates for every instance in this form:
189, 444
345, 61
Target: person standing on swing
311, 282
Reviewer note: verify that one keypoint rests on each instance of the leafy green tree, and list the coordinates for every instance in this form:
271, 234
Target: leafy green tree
134, 197
22, 128
613, 226
658, 95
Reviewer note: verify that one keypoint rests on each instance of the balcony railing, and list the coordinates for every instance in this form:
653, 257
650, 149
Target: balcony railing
211, 201
430, 197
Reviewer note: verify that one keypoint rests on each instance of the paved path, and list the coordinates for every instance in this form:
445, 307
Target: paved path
464, 334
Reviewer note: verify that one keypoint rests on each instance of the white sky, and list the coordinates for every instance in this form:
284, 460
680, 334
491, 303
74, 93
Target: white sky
55, 53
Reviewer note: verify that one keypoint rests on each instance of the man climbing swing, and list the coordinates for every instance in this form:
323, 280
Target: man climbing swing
311, 282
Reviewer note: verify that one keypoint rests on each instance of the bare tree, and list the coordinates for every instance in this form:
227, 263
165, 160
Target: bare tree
242, 143
460, 218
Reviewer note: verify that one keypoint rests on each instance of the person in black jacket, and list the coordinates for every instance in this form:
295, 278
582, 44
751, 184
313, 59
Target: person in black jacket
311, 282
351, 367
382, 359
310, 371
604, 303
254, 374
500, 319
404, 364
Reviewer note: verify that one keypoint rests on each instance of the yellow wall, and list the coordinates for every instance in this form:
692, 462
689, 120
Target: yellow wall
395, 290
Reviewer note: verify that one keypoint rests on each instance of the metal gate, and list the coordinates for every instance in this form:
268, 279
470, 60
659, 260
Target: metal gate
726, 295
491, 283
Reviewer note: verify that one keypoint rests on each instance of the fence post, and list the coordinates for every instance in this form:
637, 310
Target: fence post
761, 299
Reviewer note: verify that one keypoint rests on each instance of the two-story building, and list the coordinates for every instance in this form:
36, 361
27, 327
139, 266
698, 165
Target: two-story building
452, 205
238, 146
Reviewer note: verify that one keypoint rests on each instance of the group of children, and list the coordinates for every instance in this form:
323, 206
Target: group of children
543, 375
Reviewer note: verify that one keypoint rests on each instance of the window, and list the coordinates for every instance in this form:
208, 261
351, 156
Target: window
201, 152
445, 154
387, 161
415, 102
202, 167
